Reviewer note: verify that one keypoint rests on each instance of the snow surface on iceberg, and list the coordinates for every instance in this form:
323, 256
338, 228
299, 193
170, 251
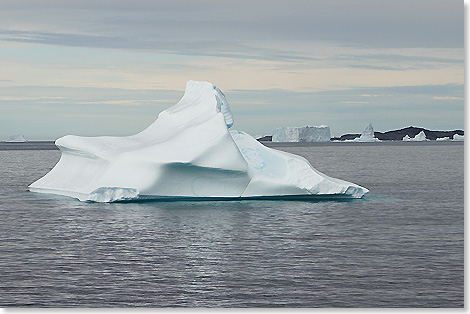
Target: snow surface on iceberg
302, 134
188, 152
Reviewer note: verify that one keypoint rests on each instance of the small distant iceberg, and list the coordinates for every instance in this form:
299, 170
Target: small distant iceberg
16, 139
458, 137
440, 139
366, 136
420, 137
187, 153
302, 134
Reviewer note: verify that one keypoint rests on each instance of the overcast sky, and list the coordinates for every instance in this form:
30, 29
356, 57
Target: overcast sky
97, 67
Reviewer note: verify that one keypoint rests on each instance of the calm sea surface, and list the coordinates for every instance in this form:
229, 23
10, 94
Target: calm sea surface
400, 246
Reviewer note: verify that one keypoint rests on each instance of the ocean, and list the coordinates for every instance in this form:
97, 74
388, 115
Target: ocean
402, 245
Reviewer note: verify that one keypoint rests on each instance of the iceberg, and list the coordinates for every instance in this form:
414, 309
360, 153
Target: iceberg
187, 153
302, 134
458, 137
420, 137
16, 139
366, 136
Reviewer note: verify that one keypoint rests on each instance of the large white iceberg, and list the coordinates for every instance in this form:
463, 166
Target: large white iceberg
16, 139
458, 137
420, 137
302, 134
188, 152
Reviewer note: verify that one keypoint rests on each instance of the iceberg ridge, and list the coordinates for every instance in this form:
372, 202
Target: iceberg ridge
420, 137
188, 152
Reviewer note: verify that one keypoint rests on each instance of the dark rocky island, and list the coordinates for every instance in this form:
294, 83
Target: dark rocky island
266, 138
394, 135
397, 135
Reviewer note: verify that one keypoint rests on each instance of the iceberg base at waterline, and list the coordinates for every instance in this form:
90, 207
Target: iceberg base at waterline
187, 153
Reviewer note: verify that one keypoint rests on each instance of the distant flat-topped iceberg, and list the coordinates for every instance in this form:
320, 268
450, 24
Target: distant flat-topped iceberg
188, 152
302, 134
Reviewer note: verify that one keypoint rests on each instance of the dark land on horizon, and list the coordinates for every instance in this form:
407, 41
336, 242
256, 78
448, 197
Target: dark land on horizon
394, 135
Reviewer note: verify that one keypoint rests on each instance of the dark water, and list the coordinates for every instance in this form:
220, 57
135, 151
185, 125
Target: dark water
401, 246
34, 145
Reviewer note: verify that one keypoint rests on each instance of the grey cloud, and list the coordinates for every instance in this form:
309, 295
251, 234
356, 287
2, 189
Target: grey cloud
363, 23
356, 23
206, 47
228, 49
399, 58
445, 89
394, 62
382, 67
436, 90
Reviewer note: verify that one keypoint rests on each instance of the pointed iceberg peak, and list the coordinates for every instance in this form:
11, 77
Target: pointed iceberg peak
367, 135
369, 130
200, 99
